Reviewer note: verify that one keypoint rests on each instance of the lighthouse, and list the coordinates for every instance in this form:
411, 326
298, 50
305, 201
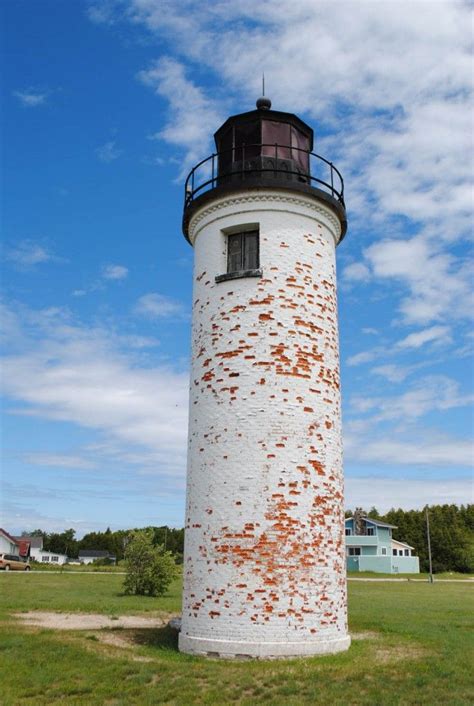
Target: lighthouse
264, 556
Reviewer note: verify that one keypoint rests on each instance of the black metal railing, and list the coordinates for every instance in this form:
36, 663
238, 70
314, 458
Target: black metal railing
266, 162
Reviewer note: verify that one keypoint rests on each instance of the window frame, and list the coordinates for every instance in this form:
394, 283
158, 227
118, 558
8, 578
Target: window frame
242, 232
243, 236
355, 551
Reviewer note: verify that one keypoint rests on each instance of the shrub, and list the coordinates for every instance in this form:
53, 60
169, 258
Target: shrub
150, 569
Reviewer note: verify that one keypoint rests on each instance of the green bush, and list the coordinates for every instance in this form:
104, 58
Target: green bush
150, 569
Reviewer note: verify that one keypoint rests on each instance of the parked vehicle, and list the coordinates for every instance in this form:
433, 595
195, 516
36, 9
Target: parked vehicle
12, 562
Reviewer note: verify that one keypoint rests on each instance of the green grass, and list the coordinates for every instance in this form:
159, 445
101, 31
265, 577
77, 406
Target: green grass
376, 575
420, 652
89, 593
81, 568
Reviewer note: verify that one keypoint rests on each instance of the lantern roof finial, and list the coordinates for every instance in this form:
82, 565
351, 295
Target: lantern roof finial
264, 103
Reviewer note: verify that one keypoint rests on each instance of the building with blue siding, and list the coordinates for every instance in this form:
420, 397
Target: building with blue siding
371, 547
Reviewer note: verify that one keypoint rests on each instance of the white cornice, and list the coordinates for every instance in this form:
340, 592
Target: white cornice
238, 204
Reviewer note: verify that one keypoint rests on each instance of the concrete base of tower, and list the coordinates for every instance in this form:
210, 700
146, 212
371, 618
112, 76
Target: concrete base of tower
261, 650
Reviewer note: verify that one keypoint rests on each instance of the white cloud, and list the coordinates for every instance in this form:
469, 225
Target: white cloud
356, 272
108, 152
438, 334
407, 493
193, 115
362, 357
156, 306
27, 254
54, 460
115, 272
393, 373
436, 392
31, 98
439, 284
60, 370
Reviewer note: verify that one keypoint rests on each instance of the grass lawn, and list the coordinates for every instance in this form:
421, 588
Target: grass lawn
418, 649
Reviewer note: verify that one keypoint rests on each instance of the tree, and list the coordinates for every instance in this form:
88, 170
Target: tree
150, 569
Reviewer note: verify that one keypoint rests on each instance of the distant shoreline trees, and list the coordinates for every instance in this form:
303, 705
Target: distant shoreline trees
452, 537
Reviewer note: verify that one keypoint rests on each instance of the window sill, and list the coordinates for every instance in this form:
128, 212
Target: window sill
239, 275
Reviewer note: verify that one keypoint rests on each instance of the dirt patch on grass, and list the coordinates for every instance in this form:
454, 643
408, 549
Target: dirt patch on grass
121, 640
366, 635
91, 621
399, 653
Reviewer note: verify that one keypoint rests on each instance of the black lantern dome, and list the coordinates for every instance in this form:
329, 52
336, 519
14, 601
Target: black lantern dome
264, 148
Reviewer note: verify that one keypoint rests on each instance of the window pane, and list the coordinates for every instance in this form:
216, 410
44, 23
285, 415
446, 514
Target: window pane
234, 252
250, 261
276, 133
302, 142
247, 134
224, 149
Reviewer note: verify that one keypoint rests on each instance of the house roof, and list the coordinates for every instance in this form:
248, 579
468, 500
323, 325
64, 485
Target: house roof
374, 522
34, 542
8, 536
402, 544
96, 553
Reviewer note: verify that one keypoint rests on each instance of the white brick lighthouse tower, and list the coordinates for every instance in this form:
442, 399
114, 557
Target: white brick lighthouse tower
264, 558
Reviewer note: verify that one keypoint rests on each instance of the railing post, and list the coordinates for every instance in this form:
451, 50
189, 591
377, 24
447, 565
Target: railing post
332, 182
212, 182
243, 161
192, 185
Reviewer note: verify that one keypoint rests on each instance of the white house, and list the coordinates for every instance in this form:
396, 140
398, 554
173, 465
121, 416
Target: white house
46, 557
32, 548
8, 544
88, 556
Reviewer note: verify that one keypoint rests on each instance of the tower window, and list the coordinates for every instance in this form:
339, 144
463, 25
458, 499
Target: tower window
242, 251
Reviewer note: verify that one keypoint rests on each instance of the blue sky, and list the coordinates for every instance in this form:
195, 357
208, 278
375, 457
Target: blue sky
107, 104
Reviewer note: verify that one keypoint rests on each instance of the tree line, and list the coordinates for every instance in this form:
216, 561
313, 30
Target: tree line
170, 538
451, 529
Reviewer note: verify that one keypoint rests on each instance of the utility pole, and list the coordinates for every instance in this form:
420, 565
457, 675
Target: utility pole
429, 542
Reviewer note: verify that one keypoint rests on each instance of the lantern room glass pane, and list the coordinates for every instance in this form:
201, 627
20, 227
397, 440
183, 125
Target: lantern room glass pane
247, 141
302, 143
274, 133
225, 152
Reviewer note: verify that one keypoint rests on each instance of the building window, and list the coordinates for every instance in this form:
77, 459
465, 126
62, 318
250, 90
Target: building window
242, 251
394, 552
54, 558
407, 552
384, 551
354, 551
370, 531
348, 532
45, 558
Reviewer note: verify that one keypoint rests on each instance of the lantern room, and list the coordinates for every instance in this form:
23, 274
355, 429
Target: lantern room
264, 141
